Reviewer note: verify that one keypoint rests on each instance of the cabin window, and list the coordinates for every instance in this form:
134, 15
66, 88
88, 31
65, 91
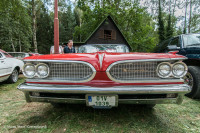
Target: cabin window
107, 34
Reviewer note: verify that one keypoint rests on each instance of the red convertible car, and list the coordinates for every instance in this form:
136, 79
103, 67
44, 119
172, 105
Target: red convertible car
108, 76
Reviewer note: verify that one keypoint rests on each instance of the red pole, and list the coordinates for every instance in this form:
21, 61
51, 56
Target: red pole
56, 28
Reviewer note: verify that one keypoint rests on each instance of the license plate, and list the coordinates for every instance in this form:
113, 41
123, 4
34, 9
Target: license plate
102, 101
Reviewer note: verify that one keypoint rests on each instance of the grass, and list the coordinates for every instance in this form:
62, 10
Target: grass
18, 116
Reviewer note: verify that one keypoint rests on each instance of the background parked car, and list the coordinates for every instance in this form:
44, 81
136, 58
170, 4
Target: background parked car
33, 54
19, 55
189, 46
9, 67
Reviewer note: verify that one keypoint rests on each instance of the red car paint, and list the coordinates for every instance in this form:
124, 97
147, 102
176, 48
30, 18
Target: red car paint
101, 79
108, 58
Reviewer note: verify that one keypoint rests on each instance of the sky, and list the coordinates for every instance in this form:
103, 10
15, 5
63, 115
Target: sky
178, 12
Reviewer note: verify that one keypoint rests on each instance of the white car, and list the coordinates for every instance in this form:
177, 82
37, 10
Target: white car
9, 67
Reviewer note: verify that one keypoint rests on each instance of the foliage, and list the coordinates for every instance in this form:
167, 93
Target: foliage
15, 26
143, 23
67, 24
161, 28
45, 31
133, 20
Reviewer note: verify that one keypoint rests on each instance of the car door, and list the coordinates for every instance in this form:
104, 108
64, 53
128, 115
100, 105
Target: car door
4, 74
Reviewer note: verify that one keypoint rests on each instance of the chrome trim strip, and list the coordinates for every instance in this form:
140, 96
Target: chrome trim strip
60, 81
145, 81
5, 68
78, 89
65, 81
135, 81
100, 59
120, 101
168, 59
63, 61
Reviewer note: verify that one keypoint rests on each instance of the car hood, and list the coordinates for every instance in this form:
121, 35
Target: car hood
101, 60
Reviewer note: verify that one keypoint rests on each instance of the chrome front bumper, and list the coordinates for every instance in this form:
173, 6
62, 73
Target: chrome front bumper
179, 90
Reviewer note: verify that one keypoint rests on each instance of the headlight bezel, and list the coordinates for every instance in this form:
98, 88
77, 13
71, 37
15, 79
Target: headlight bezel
172, 74
158, 70
24, 71
37, 73
185, 70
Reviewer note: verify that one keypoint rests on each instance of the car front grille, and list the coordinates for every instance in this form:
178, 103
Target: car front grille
70, 71
130, 71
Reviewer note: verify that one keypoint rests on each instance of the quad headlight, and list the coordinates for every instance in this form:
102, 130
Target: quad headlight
177, 70
29, 70
41, 70
164, 70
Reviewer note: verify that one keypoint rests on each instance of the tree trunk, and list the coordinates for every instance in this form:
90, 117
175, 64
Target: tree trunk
34, 25
190, 18
80, 27
12, 44
186, 4
161, 28
174, 7
20, 45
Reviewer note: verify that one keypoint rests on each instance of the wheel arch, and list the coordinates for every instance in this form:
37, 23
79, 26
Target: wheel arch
192, 62
18, 68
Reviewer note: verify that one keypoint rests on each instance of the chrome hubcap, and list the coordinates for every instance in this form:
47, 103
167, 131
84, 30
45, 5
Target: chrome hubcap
188, 79
15, 75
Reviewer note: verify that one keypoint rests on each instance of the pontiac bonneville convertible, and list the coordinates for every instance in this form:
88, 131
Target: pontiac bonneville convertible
105, 77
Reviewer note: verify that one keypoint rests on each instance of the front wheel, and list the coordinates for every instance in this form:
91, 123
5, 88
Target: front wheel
14, 76
192, 78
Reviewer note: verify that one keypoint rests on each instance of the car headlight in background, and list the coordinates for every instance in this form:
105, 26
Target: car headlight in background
164, 70
42, 70
29, 70
179, 69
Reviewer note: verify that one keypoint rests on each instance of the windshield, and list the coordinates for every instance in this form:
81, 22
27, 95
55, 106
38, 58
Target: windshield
103, 47
191, 40
19, 55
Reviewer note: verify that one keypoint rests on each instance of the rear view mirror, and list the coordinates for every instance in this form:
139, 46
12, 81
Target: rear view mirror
173, 47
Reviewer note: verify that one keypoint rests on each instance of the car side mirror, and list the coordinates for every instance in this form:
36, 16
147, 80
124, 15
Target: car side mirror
173, 47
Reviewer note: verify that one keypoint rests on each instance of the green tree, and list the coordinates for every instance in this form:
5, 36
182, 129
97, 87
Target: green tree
45, 31
15, 26
134, 21
161, 28
67, 24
